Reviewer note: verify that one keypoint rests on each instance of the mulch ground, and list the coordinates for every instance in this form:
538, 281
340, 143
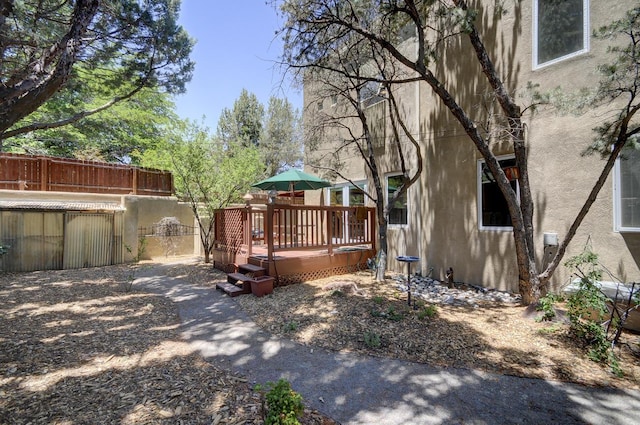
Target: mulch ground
85, 346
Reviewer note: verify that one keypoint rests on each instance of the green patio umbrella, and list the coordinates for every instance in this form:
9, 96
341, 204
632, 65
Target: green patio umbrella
291, 181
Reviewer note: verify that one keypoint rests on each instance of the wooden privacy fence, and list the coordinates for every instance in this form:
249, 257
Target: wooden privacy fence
29, 172
293, 227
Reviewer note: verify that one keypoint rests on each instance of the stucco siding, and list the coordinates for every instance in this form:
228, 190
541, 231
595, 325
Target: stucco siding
443, 227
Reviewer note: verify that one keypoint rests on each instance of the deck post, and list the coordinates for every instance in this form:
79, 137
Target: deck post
268, 230
329, 214
372, 228
248, 230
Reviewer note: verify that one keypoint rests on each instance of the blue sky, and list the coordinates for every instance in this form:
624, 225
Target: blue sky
236, 48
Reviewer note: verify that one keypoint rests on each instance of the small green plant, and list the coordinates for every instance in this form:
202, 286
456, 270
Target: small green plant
291, 326
547, 306
427, 312
4, 249
390, 314
393, 315
378, 299
283, 405
142, 246
372, 340
587, 309
131, 277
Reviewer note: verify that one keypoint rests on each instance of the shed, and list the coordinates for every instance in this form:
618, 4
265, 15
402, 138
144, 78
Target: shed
52, 235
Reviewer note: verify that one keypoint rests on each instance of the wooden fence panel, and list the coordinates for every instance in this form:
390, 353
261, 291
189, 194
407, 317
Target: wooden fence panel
26, 172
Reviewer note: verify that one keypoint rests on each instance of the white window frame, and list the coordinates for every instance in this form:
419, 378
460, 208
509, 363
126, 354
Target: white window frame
585, 35
617, 206
481, 226
346, 189
386, 195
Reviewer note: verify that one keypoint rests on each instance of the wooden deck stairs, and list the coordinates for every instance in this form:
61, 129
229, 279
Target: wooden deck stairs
239, 282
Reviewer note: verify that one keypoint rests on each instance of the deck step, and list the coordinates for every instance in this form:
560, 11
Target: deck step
231, 289
235, 278
253, 269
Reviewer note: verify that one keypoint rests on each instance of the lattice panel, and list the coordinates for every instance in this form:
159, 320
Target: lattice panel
320, 274
230, 229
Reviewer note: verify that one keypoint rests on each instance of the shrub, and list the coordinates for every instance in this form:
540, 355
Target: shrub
372, 340
283, 405
291, 326
429, 311
546, 306
587, 309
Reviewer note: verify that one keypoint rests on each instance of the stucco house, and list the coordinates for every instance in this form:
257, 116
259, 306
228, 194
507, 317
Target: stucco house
454, 215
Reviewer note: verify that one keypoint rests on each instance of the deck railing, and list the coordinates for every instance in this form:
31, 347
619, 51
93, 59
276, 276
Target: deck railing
29, 172
293, 227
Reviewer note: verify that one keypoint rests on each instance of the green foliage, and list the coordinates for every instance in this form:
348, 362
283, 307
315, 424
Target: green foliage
4, 249
378, 299
546, 305
276, 134
284, 405
389, 314
243, 123
394, 315
142, 246
208, 174
291, 326
428, 312
587, 309
122, 132
281, 138
153, 52
372, 340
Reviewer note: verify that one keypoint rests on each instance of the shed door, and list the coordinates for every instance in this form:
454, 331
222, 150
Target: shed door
34, 240
88, 240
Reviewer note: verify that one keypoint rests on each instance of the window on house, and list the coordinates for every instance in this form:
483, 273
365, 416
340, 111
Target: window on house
334, 99
561, 29
493, 213
356, 196
399, 211
335, 196
319, 105
371, 93
347, 196
627, 192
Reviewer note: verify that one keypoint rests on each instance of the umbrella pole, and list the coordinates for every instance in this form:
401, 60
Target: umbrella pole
291, 190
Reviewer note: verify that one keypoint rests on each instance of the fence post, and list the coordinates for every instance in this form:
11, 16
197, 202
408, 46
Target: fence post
134, 181
372, 227
44, 173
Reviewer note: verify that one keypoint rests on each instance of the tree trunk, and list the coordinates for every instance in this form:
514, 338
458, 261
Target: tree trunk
381, 265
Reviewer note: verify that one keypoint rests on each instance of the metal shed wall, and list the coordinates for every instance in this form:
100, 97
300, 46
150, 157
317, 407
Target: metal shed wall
51, 240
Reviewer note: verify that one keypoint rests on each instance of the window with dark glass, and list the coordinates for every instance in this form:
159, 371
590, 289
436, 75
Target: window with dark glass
493, 206
628, 191
399, 212
561, 29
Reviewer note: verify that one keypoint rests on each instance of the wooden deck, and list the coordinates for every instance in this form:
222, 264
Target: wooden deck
295, 243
